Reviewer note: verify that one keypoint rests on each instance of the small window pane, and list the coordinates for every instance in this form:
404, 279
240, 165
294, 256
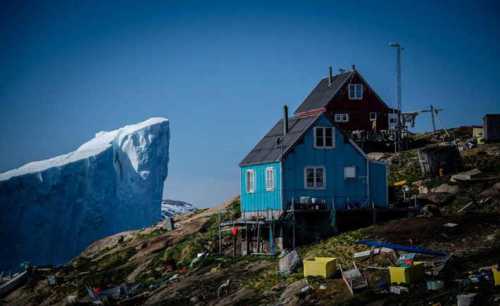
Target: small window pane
319, 137
328, 137
310, 177
319, 177
269, 179
350, 172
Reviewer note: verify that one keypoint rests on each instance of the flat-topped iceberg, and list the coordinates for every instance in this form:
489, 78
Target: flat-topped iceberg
51, 210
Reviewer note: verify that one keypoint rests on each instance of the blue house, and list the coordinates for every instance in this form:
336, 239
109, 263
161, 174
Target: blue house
306, 162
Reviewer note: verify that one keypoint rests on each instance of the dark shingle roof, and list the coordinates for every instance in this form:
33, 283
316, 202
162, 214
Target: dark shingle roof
322, 93
269, 148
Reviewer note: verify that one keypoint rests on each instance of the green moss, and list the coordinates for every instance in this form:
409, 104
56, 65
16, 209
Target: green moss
405, 166
205, 240
115, 259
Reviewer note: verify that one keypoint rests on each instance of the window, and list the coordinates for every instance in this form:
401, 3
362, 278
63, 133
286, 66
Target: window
250, 181
324, 137
341, 117
373, 116
350, 172
314, 178
355, 91
270, 179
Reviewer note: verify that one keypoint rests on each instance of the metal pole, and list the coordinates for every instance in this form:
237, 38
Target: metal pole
220, 237
398, 93
433, 119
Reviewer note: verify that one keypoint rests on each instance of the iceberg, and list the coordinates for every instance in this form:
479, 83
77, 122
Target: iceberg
171, 208
51, 210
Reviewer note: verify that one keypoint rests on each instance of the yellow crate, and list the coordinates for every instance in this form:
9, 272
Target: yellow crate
320, 266
496, 275
400, 275
407, 275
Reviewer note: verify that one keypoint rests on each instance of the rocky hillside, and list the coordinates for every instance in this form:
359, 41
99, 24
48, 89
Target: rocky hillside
183, 267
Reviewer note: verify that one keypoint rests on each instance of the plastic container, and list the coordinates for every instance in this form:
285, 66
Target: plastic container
320, 266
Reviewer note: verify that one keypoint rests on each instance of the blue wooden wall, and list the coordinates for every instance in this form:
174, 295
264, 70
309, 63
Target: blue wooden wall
334, 160
289, 181
261, 199
378, 183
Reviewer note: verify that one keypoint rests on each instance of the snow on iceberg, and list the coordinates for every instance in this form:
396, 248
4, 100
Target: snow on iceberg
171, 208
51, 210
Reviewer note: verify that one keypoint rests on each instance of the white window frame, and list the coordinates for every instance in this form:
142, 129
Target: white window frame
373, 118
349, 175
323, 133
341, 117
270, 181
250, 183
355, 91
315, 187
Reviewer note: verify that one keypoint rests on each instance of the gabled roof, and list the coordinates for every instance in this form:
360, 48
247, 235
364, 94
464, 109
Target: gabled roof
273, 146
322, 93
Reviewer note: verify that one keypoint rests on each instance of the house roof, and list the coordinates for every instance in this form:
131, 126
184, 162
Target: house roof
273, 146
322, 93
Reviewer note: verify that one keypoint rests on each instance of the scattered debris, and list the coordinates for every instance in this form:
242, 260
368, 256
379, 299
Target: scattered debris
197, 259
320, 266
407, 274
291, 295
51, 279
466, 299
14, 283
224, 288
399, 247
496, 275
446, 188
431, 210
434, 285
353, 278
363, 254
289, 262
71, 299
465, 176
399, 289
406, 260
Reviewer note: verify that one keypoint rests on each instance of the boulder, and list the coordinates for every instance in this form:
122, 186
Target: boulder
436, 197
243, 296
446, 188
292, 293
493, 191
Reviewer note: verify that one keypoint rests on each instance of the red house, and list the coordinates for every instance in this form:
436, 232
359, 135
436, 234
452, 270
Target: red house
351, 103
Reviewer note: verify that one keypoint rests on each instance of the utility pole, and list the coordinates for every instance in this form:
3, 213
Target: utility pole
434, 112
398, 47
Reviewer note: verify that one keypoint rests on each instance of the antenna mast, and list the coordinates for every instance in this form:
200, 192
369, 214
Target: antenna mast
397, 139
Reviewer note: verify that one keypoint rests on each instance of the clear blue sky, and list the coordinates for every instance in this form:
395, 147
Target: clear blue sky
220, 71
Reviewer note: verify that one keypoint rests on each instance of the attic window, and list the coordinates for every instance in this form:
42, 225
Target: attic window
373, 116
250, 181
341, 117
324, 137
355, 91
